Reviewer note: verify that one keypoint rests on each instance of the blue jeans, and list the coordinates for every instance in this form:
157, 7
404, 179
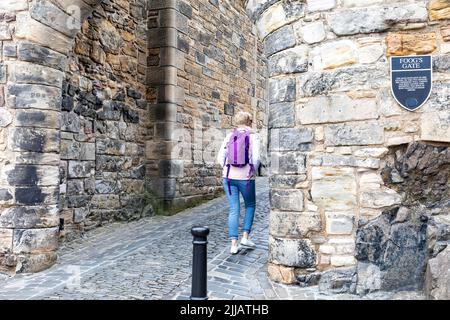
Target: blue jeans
249, 195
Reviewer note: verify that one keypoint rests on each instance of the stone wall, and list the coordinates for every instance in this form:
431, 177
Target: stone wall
104, 120
333, 121
204, 66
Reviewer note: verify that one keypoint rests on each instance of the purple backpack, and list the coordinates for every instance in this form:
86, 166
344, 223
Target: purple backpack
238, 153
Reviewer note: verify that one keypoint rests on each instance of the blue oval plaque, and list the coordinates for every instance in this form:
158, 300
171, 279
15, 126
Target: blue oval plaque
411, 80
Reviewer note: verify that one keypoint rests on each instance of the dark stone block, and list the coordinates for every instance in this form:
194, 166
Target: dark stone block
214, 2
34, 53
279, 40
338, 281
5, 195
200, 58
215, 94
133, 93
67, 103
130, 115
228, 109
85, 110
282, 90
141, 104
182, 44
185, 8
111, 111
243, 64
9, 50
29, 139
120, 96
30, 196
170, 168
281, 115
78, 201
23, 175
138, 173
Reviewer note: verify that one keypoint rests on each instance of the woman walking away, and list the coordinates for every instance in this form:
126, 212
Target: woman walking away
239, 155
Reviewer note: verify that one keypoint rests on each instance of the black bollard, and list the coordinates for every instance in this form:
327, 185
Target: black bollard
199, 264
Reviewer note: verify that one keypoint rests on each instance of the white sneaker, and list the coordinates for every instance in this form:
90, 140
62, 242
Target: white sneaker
247, 243
234, 249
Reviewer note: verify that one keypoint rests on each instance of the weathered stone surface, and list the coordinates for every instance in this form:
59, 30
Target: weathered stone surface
336, 108
312, 32
378, 199
342, 79
35, 240
282, 90
369, 278
37, 118
293, 60
13, 5
36, 54
369, 20
445, 32
338, 281
287, 163
279, 15
294, 224
398, 249
279, 40
372, 152
333, 188
281, 273
435, 126
35, 140
281, 115
5, 118
291, 252
320, 5
370, 50
439, 10
27, 96
360, 3
279, 181
291, 139
286, 200
6, 236
31, 175
330, 160
80, 169
30, 217
339, 223
403, 44
30, 73
437, 277
350, 134
5, 33
34, 31
334, 54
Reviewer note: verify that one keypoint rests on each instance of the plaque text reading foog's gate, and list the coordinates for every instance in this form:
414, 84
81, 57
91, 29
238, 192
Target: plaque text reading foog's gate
411, 80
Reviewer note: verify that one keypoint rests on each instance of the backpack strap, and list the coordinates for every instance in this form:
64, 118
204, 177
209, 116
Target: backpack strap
228, 179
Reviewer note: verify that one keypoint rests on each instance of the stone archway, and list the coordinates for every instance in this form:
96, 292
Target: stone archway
37, 37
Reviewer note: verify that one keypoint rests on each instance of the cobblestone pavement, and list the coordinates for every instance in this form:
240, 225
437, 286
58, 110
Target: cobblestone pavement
151, 259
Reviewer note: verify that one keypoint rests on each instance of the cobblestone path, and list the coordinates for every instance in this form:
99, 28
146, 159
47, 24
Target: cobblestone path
151, 259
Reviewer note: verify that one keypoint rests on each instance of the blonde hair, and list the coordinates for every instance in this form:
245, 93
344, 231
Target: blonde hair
243, 118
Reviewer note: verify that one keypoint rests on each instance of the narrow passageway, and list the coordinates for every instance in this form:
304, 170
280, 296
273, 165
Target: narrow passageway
145, 259
151, 259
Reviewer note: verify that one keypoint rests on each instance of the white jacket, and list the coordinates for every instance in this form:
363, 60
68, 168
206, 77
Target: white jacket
238, 173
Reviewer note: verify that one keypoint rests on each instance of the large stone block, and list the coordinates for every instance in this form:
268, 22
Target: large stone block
31, 73
335, 54
437, 276
382, 198
336, 108
320, 5
360, 3
401, 44
34, 31
312, 32
281, 274
286, 200
330, 160
291, 139
281, 115
13, 5
287, 163
6, 236
439, 10
35, 140
5, 118
288, 182
38, 119
353, 134
81, 169
35, 240
292, 252
31, 175
279, 40
34, 196
339, 222
294, 224
30, 217
435, 126
34, 53
293, 60
279, 15
334, 188
282, 90
26, 96
375, 19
